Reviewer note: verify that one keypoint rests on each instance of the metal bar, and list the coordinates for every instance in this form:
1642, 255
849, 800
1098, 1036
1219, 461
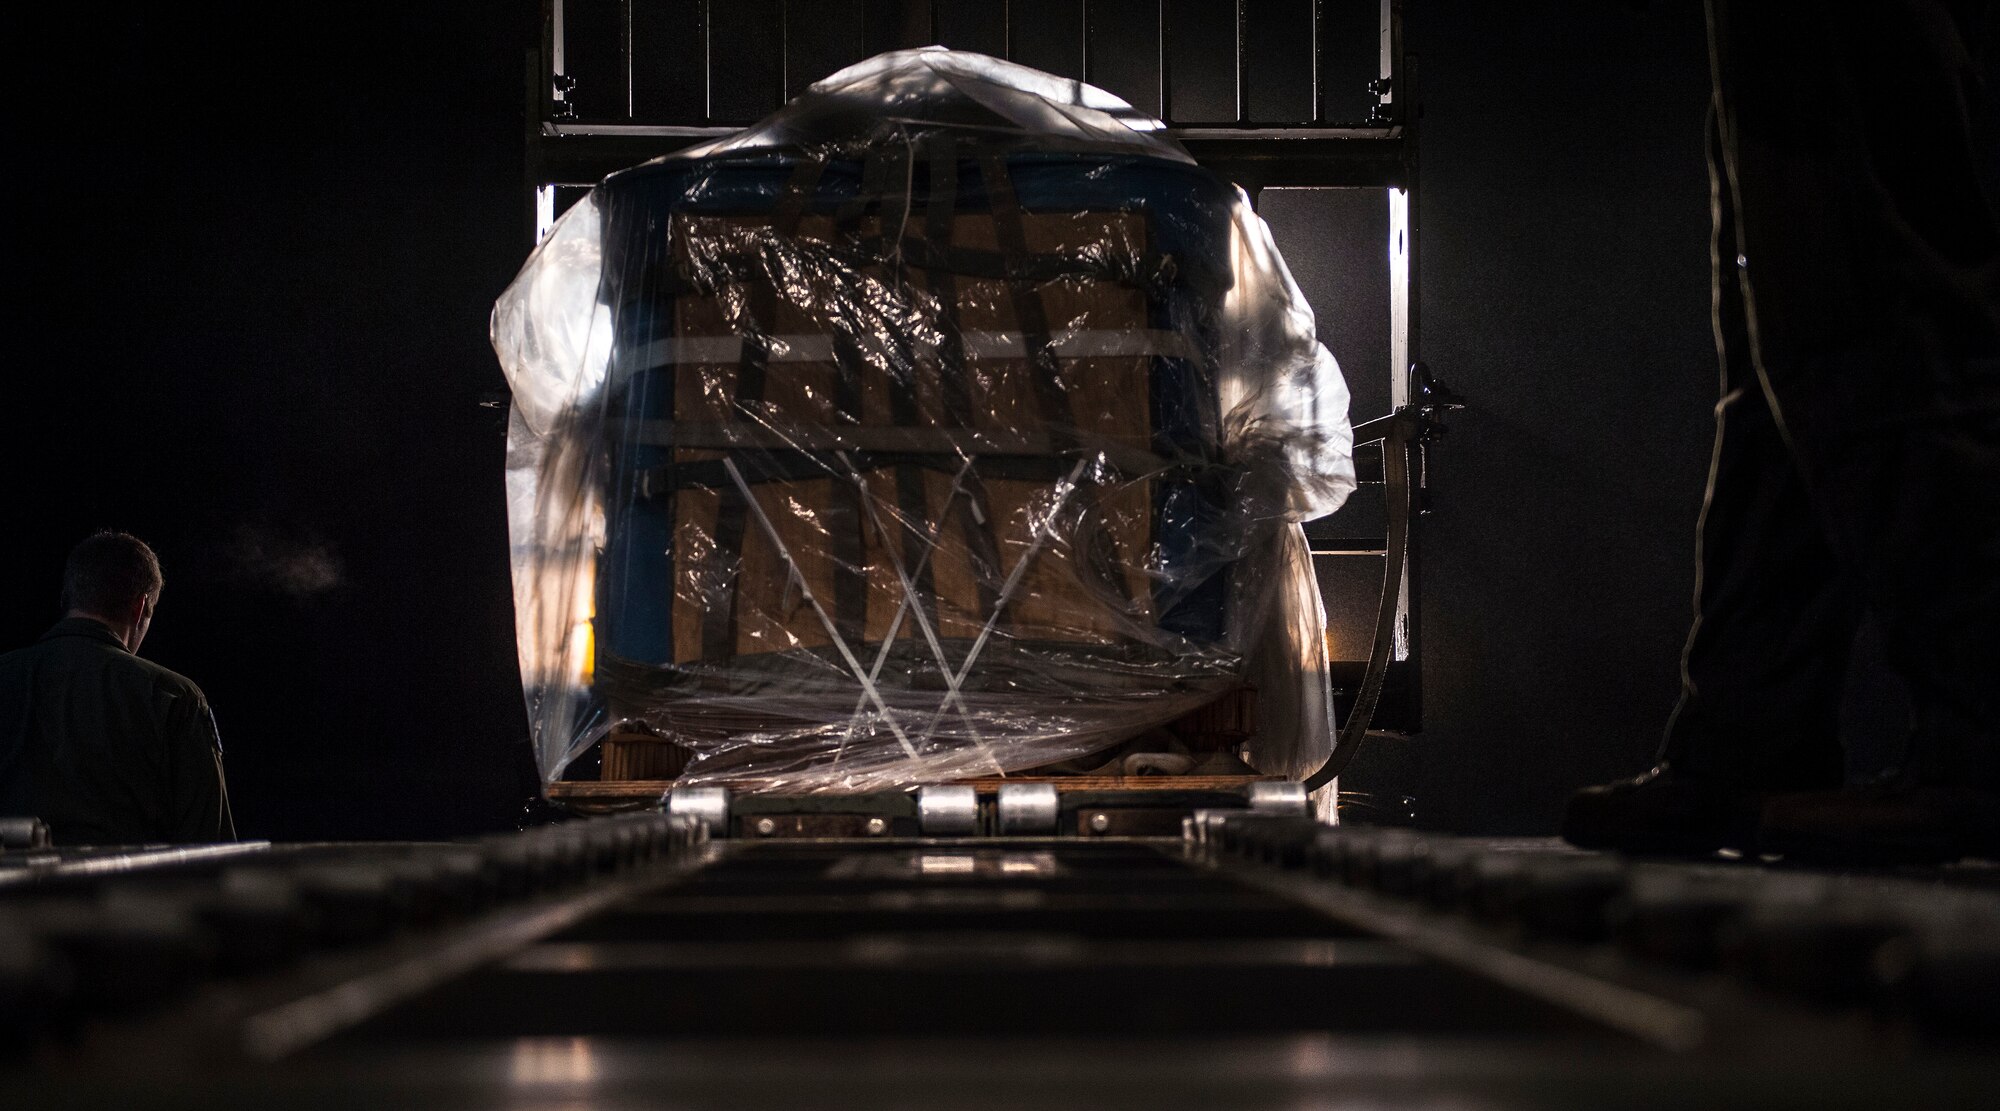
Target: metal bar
1391, 24
557, 61
1037, 534
1412, 272
1293, 133
1369, 432
1402, 310
538, 91
806, 591
1318, 112
1083, 44
565, 154
617, 130
1406, 91
1399, 298
1395, 478
1241, 113
138, 860
292, 1026
902, 607
807, 955
1662, 1022
913, 604
545, 211
1196, 131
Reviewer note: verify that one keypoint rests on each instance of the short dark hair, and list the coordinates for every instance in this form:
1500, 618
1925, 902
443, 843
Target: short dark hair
107, 571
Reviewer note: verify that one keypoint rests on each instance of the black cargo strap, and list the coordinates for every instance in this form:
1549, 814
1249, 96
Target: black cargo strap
975, 509
719, 617
1404, 427
846, 543
1010, 229
912, 500
940, 222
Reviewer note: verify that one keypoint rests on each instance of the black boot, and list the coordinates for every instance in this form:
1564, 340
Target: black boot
1662, 812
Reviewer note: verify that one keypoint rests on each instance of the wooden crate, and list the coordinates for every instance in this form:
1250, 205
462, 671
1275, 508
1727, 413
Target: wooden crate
634, 754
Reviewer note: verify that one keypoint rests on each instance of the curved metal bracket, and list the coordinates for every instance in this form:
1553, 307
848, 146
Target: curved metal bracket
1418, 421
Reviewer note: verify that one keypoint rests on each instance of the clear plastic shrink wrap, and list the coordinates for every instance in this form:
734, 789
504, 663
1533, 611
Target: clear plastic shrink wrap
950, 422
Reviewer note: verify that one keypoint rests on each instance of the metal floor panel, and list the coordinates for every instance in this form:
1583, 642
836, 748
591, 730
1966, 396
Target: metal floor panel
1260, 962
1078, 937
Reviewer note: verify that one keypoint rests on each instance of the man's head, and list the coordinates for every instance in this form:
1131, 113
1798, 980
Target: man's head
115, 578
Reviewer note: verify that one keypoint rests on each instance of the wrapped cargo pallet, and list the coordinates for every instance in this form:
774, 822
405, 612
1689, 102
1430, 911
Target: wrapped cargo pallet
950, 422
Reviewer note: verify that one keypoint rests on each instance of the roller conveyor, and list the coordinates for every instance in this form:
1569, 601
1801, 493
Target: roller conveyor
1256, 959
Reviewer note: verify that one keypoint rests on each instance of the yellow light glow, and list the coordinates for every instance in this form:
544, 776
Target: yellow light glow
536, 1061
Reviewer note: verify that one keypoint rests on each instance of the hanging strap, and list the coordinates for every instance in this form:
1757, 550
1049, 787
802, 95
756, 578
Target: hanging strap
1403, 428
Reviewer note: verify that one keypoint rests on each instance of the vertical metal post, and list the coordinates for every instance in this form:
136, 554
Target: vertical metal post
1399, 296
1319, 7
1241, 100
554, 35
537, 96
545, 210
1406, 94
544, 61
1402, 292
1400, 306
1399, 362
1399, 96
1083, 48
707, 66
1391, 30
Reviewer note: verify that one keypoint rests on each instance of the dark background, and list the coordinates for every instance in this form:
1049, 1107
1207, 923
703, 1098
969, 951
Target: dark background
248, 277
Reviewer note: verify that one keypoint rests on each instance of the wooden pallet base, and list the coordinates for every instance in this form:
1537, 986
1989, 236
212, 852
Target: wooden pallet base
638, 791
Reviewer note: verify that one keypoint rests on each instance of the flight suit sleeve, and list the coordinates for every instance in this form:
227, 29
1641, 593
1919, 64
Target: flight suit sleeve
198, 797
